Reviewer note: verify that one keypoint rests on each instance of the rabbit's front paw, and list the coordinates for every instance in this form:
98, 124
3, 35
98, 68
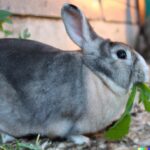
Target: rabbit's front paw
79, 139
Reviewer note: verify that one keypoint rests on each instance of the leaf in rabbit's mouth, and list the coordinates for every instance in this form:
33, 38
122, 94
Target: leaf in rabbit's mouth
121, 127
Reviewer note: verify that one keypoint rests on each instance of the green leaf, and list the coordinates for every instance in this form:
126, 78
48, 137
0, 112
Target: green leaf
4, 14
1, 26
130, 100
144, 89
7, 32
144, 95
4, 18
147, 105
24, 34
120, 129
8, 20
29, 146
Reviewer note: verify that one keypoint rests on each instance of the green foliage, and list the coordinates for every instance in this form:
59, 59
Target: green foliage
28, 146
5, 18
22, 145
24, 34
121, 127
144, 96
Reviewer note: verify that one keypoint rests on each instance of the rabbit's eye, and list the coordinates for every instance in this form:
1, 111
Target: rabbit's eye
121, 54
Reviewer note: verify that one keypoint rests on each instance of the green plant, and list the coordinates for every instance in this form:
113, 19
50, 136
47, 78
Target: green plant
121, 127
19, 145
5, 18
24, 34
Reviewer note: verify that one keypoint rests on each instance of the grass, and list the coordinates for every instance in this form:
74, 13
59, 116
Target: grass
22, 145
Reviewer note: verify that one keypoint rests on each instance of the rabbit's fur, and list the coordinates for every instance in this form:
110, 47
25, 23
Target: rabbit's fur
47, 91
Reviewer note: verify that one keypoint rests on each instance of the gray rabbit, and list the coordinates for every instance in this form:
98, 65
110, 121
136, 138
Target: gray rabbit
56, 93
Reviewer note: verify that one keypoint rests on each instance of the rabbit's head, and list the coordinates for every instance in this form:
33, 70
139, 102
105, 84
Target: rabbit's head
117, 64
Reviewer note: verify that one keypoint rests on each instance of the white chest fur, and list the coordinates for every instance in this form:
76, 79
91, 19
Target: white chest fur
103, 105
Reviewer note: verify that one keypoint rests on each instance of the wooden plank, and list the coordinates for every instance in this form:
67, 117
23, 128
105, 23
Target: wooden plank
118, 12
53, 32
131, 3
120, 32
50, 8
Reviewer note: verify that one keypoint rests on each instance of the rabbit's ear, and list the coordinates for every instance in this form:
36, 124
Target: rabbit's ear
77, 25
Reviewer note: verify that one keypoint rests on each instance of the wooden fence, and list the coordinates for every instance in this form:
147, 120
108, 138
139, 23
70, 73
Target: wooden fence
114, 19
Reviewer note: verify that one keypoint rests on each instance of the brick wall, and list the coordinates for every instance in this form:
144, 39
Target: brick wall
114, 19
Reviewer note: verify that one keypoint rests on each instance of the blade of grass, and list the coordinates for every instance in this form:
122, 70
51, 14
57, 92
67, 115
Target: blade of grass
29, 146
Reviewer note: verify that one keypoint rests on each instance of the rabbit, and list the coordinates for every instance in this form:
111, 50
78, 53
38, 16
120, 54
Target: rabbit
67, 94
